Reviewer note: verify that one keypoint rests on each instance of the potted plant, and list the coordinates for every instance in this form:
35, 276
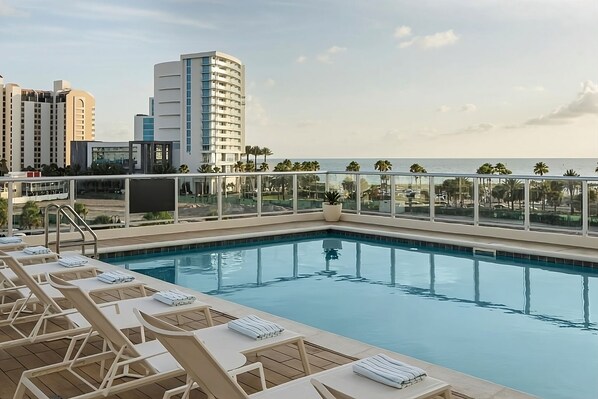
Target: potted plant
332, 206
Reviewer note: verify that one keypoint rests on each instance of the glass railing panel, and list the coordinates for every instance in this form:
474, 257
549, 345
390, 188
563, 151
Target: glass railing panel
412, 196
310, 191
376, 194
101, 202
240, 197
197, 198
593, 206
555, 204
346, 185
277, 193
502, 201
454, 199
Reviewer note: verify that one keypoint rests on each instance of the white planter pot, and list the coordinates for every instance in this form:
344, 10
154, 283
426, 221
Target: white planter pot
332, 213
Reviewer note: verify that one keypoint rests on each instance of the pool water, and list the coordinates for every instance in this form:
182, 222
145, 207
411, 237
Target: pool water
528, 326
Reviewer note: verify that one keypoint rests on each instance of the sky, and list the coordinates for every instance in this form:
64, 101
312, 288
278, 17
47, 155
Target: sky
337, 78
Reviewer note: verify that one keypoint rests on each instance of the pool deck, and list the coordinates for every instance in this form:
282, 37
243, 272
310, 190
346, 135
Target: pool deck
325, 349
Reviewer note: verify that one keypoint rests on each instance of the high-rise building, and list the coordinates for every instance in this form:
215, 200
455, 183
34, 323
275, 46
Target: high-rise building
37, 126
199, 104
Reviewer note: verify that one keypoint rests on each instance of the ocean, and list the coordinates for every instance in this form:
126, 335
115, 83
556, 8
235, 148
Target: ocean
519, 166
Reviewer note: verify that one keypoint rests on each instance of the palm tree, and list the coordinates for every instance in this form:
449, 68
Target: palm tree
3, 211
571, 186
514, 191
353, 167
239, 166
417, 168
486, 169
31, 215
255, 151
383, 166
3, 167
264, 167
540, 168
266, 152
216, 169
247, 152
205, 168
184, 168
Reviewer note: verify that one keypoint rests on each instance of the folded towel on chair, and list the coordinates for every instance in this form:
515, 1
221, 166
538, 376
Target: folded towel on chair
72, 261
11, 240
174, 297
389, 371
115, 277
37, 250
255, 327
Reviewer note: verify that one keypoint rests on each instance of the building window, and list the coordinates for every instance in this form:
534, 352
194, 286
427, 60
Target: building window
188, 116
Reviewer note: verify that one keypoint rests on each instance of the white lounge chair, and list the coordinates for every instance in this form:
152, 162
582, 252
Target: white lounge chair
339, 383
120, 312
22, 297
38, 271
228, 347
28, 259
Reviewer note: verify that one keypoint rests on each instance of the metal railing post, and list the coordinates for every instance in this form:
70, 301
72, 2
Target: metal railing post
71, 200
432, 191
295, 194
176, 200
476, 202
127, 197
357, 194
327, 184
585, 205
259, 195
526, 205
10, 211
392, 196
219, 197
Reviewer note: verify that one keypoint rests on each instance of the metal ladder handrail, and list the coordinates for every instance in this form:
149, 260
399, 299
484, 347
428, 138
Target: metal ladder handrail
61, 211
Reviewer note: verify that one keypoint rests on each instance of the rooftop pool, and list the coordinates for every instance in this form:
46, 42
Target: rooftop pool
524, 324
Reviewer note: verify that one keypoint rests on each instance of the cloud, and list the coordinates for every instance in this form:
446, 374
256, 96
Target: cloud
436, 40
270, 82
530, 88
327, 57
301, 59
586, 103
6, 10
479, 128
443, 108
114, 12
468, 108
402, 31
255, 111
307, 123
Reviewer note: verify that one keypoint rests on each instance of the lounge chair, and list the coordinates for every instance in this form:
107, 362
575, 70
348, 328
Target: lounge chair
228, 347
120, 312
38, 271
13, 246
22, 297
337, 383
28, 259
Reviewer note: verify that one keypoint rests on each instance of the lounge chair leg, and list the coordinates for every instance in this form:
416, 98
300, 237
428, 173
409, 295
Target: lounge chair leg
208, 315
303, 356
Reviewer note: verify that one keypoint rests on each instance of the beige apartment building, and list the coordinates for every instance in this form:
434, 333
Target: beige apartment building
37, 126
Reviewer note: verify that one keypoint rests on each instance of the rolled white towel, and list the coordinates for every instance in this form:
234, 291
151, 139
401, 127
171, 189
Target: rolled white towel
388, 371
72, 261
174, 297
115, 277
255, 327
37, 250
11, 240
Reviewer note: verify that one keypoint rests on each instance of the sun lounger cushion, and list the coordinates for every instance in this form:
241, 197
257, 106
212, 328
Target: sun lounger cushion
72, 261
37, 250
255, 327
11, 240
388, 371
174, 297
115, 277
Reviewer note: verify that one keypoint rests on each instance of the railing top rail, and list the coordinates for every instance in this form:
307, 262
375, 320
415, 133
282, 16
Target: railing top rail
290, 173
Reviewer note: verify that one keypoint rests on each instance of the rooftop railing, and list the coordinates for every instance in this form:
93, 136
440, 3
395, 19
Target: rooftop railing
567, 205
